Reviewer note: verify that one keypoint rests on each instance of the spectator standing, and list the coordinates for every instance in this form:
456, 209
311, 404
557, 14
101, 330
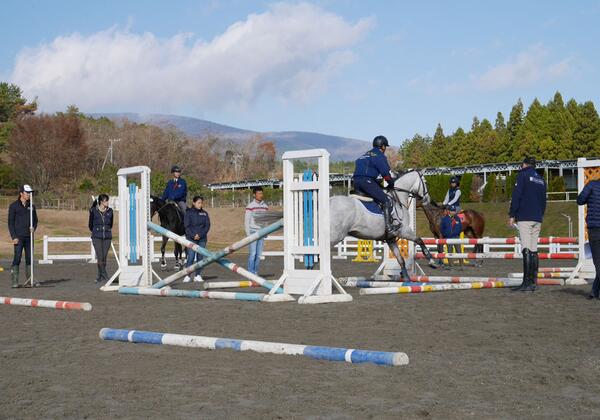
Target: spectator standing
250, 225
100, 223
590, 195
197, 225
527, 208
450, 228
22, 222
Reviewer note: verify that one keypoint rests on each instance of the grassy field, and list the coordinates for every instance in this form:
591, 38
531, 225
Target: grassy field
227, 225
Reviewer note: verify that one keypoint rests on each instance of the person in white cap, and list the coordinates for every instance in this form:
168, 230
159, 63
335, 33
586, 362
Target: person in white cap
22, 222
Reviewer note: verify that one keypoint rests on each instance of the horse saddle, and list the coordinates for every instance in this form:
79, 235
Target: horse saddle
360, 196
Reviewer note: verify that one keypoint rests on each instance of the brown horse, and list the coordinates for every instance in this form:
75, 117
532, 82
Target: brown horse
473, 223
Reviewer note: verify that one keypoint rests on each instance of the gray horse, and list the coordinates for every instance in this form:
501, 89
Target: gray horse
350, 218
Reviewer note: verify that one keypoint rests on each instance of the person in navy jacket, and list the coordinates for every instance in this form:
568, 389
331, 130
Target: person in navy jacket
453, 194
527, 207
197, 225
21, 232
100, 224
367, 168
590, 195
176, 189
450, 228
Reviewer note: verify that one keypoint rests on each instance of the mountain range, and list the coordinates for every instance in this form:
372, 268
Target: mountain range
341, 148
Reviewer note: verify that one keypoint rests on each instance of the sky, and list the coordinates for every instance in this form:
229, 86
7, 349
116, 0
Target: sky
344, 67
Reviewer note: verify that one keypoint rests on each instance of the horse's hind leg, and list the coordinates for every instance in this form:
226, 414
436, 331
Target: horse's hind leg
404, 276
178, 256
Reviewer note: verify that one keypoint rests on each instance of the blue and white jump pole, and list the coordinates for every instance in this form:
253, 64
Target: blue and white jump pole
336, 354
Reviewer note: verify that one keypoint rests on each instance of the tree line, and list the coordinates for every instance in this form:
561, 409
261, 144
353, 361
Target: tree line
66, 152
552, 131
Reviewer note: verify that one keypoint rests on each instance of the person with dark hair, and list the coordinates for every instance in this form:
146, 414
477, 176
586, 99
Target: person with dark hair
250, 226
197, 225
176, 189
367, 168
527, 207
22, 222
453, 194
590, 196
451, 227
100, 223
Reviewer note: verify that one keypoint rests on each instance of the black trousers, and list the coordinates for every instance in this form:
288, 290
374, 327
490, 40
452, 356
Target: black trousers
24, 243
594, 238
101, 246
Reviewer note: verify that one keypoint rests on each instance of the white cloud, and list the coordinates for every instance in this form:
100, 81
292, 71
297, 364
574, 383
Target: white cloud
527, 68
289, 51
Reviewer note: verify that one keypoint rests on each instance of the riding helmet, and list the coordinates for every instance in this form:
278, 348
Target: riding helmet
380, 141
176, 168
454, 180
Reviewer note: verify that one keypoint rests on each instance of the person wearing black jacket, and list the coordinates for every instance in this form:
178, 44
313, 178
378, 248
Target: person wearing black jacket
197, 225
21, 232
527, 207
590, 195
100, 224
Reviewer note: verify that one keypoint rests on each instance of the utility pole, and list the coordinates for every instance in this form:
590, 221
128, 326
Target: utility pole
109, 152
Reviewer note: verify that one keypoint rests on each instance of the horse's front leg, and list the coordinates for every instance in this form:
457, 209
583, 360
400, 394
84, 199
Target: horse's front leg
163, 246
404, 276
178, 260
408, 233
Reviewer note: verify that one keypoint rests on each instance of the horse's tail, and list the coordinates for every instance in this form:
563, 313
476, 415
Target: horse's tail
266, 218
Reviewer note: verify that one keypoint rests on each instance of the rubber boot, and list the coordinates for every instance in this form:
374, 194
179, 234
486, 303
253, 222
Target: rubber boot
14, 275
533, 272
526, 270
28, 271
99, 275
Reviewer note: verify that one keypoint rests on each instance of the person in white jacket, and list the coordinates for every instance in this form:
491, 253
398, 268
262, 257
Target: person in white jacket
453, 194
250, 225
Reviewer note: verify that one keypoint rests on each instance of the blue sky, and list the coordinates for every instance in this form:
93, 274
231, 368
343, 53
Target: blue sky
350, 68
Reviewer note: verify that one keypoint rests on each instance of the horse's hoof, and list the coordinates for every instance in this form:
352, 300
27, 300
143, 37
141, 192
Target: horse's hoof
433, 264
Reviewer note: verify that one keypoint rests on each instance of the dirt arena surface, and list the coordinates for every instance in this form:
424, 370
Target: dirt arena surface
473, 354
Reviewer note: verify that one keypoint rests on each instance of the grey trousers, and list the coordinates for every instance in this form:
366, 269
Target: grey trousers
529, 232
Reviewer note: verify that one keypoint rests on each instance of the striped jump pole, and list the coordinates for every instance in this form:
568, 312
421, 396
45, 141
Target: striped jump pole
201, 294
550, 275
556, 269
433, 288
40, 303
501, 255
497, 241
369, 284
336, 354
221, 261
229, 284
219, 254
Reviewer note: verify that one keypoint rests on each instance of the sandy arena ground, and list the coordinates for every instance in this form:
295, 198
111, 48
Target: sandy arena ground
473, 354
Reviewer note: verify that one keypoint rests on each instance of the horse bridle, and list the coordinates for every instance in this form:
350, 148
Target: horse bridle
412, 194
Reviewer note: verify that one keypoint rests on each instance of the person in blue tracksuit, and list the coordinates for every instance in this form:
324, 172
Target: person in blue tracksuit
453, 194
100, 223
197, 225
590, 196
176, 189
21, 232
450, 228
367, 168
527, 207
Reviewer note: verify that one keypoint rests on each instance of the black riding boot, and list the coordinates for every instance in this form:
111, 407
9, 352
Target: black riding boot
99, 275
527, 260
533, 272
390, 228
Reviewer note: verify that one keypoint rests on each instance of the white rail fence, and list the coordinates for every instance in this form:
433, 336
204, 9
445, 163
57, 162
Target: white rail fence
90, 257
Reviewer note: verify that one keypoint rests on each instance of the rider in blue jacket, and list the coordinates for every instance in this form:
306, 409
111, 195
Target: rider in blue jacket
176, 189
367, 168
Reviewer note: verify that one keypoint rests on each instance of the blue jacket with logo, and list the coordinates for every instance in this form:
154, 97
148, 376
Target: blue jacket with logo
451, 227
372, 164
176, 190
100, 223
196, 222
590, 195
528, 202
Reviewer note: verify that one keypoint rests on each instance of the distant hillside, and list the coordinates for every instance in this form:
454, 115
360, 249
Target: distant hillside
341, 148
